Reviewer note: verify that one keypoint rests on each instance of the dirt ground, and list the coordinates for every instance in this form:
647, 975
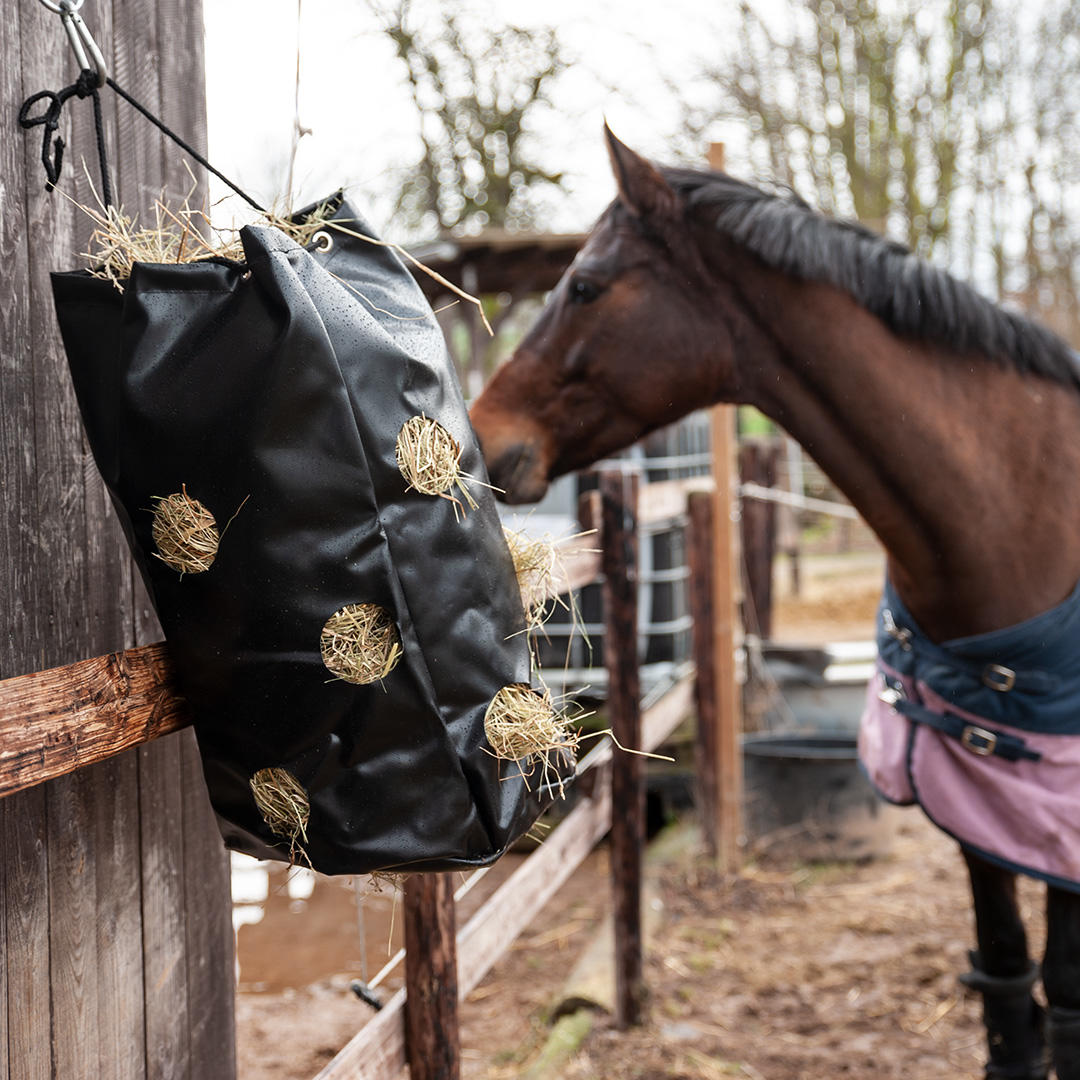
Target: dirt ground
783, 971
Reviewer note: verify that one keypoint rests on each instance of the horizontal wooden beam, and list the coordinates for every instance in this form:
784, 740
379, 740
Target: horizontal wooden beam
377, 1051
53, 722
666, 499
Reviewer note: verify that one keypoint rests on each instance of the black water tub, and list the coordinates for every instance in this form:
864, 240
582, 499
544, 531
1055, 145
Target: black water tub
806, 798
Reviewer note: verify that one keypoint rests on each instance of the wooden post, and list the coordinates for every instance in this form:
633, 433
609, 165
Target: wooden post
114, 897
700, 552
432, 1040
618, 495
757, 465
727, 749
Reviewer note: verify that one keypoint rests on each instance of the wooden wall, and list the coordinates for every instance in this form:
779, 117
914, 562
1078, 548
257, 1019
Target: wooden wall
115, 930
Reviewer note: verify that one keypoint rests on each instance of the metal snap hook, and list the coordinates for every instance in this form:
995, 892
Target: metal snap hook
87, 53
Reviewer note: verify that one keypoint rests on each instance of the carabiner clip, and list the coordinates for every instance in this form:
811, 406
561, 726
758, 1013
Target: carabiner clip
82, 41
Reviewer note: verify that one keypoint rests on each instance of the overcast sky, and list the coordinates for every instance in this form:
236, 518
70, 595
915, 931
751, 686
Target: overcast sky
357, 104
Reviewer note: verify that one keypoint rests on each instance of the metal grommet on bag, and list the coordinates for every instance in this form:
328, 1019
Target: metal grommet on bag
322, 242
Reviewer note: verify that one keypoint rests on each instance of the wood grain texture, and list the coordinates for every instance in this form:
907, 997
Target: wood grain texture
118, 916
73, 922
164, 920
728, 749
432, 1035
620, 566
26, 959
699, 538
53, 722
210, 938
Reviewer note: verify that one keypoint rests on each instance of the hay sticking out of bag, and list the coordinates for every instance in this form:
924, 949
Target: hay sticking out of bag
429, 459
185, 533
522, 725
118, 241
360, 643
535, 562
284, 805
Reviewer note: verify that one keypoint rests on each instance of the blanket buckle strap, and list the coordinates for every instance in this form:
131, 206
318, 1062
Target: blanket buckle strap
978, 740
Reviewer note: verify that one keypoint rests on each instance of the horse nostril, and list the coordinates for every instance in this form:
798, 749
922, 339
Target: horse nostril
516, 474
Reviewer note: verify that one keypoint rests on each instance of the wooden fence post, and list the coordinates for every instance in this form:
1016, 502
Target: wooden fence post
432, 1039
620, 568
114, 899
727, 750
700, 552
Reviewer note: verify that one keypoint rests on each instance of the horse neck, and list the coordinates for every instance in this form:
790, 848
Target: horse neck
964, 469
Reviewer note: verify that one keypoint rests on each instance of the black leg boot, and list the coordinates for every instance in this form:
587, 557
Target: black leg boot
1064, 1031
1014, 1024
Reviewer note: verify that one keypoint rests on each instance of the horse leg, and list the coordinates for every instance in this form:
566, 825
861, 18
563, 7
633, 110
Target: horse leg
1004, 974
1061, 980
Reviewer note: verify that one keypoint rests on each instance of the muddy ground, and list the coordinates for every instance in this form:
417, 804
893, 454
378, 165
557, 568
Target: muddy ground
782, 971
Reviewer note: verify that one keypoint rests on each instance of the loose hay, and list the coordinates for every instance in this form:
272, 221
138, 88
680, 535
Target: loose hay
284, 805
534, 564
360, 643
522, 725
428, 457
185, 533
118, 241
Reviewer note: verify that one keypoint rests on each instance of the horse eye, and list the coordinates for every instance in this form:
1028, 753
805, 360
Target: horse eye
583, 291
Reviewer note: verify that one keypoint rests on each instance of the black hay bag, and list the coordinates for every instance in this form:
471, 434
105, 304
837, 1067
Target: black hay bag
270, 394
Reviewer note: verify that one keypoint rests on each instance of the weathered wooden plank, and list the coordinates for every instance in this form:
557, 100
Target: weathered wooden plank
138, 170
4, 1071
577, 564
55, 721
121, 1007
620, 565
503, 916
699, 538
70, 804
59, 576
666, 499
377, 1051
432, 1036
26, 959
164, 922
210, 941
18, 506
725, 621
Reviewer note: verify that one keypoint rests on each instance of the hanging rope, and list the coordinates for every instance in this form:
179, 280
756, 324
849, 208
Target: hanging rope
52, 150
90, 79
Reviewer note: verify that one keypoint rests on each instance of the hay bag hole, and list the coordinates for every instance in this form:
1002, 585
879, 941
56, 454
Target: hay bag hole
522, 723
284, 805
429, 459
185, 533
360, 643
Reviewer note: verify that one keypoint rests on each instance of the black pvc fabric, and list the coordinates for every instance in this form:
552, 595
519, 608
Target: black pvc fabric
274, 390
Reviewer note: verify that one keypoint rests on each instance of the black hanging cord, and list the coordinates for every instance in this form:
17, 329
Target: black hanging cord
52, 150
184, 146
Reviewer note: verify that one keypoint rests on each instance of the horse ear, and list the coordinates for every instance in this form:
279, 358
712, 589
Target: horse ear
643, 191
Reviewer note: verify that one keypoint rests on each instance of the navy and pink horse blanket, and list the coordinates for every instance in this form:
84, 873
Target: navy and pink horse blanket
983, 733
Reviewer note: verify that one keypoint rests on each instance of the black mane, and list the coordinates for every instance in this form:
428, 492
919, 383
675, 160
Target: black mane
912, 298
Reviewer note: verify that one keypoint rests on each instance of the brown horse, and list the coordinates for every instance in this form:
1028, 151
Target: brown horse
950, 423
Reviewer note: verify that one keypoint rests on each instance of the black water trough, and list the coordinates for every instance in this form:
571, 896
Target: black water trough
806, 798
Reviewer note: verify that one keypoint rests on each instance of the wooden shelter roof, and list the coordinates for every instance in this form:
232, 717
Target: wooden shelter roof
497, 261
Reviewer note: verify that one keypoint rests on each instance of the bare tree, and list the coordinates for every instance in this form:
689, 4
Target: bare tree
953, 126
476, 88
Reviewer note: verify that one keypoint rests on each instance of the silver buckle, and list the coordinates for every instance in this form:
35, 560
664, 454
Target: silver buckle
899, 633
996, 677
986, 744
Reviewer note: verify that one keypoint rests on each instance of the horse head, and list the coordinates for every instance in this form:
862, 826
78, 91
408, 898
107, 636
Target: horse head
624, 345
